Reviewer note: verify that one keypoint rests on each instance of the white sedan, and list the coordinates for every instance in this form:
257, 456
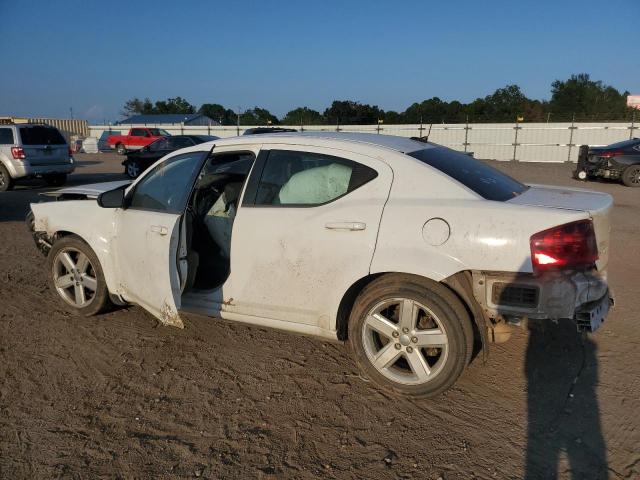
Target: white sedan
411, 252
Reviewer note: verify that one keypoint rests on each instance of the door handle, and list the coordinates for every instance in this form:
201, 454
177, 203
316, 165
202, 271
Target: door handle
159, 229
351, 226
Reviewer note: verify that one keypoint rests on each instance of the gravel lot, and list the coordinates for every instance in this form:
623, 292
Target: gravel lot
117, 396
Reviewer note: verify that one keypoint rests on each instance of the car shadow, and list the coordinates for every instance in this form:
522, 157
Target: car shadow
564, 434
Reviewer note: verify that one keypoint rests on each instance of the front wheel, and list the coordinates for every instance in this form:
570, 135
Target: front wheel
77, 277
410, 335
631, 176
121, 149
133, 169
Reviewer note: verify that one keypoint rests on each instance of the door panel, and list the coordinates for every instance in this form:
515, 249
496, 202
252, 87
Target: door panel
294, 263
147, 261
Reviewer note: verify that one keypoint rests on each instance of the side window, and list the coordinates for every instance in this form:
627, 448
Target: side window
307, 179
6, 136
181, 142
138, 132
166, 188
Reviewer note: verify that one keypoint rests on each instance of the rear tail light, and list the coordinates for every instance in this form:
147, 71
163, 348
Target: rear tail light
572, 245
70, 151
18, 153
611, 153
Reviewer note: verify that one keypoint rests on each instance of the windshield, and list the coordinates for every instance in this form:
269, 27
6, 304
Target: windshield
40, 135
486, 181
159, 132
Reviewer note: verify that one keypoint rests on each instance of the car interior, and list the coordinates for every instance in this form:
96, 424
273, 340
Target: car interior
209, 218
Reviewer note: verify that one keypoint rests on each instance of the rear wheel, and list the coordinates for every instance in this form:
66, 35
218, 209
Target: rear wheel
121, 149
133, 169
6, 182
410, 335
631, 176
77, 277
56, 180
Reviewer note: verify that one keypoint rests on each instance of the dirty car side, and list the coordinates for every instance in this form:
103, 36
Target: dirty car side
419, 221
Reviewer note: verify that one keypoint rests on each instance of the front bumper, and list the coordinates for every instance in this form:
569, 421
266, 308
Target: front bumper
581, 296
25, 169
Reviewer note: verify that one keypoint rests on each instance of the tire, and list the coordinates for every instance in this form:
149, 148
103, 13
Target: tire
121, 149
422, 361
631, 176
581, 175
133, 169
6, 182
56, 180
75, 268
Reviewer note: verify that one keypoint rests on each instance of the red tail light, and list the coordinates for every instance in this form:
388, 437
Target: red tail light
567, 246
18, 153
611, 153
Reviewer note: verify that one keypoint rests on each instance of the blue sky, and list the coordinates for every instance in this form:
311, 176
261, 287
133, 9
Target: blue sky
93, 55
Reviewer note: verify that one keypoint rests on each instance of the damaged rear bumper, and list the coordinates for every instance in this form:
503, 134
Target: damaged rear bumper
583, 297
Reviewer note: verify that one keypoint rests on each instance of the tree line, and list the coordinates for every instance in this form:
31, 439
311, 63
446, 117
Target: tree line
578, 97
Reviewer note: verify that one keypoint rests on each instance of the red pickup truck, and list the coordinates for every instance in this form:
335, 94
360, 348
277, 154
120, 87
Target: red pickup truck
136, 139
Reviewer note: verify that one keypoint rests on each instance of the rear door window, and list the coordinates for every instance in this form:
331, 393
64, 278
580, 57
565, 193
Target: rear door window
39, 135
293, 178
486, 181
6, 136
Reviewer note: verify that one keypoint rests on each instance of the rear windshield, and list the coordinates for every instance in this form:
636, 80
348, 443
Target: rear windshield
41, 136
486, 181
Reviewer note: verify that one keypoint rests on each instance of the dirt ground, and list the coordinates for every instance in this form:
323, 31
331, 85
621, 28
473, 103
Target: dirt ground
117, 396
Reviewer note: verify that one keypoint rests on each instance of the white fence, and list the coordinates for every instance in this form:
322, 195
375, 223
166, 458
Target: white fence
525, 142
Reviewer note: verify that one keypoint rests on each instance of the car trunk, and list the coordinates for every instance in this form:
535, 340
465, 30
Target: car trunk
43, 145
597, 205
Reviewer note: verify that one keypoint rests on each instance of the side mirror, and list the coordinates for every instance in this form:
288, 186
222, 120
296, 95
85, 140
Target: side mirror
112, 198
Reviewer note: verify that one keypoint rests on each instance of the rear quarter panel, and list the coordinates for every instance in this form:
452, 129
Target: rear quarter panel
482, 234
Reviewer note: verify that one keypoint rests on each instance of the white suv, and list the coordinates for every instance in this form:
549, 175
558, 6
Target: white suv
33, 150
400, 247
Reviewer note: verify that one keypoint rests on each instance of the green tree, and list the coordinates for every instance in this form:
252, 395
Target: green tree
217, 112
258, 116
303, 116
587, 99
174, 105
135, 106
348, 112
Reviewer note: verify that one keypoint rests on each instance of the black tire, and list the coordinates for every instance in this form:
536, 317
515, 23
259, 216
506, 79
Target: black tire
132, 168
99, 301
121, 149
56, 180
6, 182
452, 318
631, 176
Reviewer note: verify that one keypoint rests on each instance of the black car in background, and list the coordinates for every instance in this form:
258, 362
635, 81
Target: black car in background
260, 130
138, 161
618, 161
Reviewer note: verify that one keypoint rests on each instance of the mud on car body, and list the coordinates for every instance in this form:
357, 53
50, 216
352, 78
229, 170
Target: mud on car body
409, 251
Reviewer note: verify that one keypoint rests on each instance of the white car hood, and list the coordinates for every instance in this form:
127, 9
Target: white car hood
91, 191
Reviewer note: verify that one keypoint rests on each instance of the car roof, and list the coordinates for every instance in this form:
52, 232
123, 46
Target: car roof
391, 142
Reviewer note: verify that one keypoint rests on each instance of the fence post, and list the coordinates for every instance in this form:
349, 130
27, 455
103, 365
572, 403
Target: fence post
420, 126
466, 134
633, 124
571, 129
337, 124
515, 140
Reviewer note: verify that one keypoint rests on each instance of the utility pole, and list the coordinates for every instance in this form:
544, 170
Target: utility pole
71, 111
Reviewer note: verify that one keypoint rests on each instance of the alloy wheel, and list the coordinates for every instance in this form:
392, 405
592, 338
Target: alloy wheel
405, 341
74, 277
133, 169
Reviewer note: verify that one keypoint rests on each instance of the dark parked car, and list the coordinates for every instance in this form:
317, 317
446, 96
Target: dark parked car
259, 130
138, 161
618, 161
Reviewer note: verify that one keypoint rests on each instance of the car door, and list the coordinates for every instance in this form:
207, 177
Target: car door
150, 248
137, 139
305, 232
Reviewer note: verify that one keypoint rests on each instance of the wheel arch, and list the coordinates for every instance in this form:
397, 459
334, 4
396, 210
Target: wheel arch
460, 284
